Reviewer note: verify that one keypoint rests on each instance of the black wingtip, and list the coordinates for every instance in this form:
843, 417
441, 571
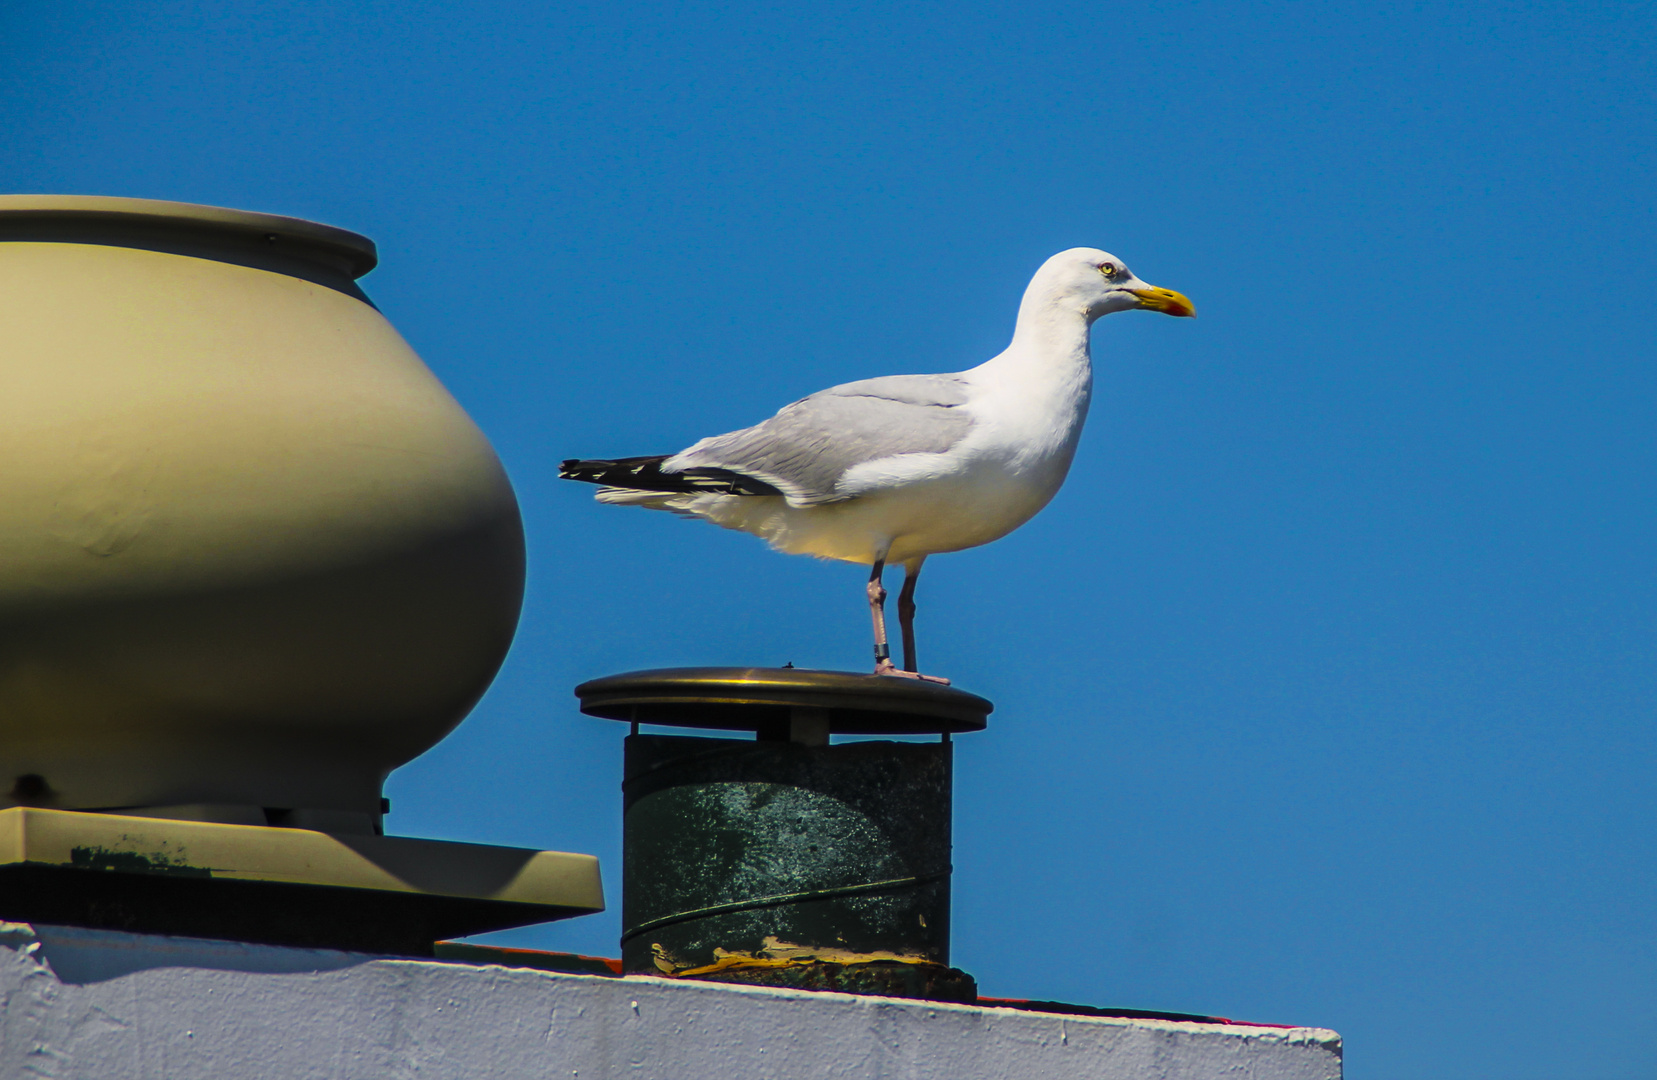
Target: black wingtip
620, 472
645, 474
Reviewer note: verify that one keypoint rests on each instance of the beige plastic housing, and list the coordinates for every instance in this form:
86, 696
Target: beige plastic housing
253, 555
114, 843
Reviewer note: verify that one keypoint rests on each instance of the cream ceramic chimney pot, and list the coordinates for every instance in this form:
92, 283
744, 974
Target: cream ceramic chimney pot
253, 555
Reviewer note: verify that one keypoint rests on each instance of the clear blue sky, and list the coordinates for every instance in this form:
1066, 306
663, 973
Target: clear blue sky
1326, 686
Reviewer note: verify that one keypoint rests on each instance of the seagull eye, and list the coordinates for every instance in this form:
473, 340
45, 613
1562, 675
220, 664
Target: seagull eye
1108, 269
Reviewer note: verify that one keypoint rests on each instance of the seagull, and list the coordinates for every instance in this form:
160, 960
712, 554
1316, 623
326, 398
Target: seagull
898, 468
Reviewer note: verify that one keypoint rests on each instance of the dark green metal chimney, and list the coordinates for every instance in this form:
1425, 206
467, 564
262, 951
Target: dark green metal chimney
784, 859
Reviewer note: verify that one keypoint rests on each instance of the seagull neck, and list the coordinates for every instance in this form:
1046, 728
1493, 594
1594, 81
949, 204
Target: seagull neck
1053, 332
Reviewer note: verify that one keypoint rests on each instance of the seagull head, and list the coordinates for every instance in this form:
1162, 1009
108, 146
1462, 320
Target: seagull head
1099, 283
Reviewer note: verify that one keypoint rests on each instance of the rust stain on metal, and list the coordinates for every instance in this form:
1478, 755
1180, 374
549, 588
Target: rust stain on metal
778, 954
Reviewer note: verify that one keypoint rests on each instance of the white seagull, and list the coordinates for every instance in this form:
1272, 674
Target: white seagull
904, 466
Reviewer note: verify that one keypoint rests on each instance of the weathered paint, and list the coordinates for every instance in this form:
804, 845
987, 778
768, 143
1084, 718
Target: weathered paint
95, 1004
160, 861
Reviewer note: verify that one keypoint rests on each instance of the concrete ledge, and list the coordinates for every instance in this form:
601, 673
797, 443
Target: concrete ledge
101, 1004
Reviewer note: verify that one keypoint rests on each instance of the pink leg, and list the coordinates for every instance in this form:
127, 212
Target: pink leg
906, 624
877, 612
906, 613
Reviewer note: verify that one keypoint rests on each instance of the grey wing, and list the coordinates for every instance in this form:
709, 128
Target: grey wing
806, 448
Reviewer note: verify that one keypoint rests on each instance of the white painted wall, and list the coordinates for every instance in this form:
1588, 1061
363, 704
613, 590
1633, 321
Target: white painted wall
93, 1004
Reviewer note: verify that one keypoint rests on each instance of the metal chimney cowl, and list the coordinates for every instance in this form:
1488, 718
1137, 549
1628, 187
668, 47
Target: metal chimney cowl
785, 859
253, 556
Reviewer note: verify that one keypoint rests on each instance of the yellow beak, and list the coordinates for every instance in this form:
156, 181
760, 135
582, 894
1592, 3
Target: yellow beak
1166, 301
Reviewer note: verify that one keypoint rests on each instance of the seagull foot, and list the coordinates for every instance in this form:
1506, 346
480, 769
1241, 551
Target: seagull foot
886, 667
